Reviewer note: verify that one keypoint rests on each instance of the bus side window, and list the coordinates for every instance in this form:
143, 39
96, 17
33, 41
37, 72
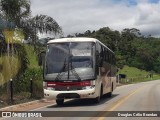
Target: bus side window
101, 52
114, 60
110, 58
106, 55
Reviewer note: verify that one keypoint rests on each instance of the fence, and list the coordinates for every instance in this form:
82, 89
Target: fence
13, 91
135, 79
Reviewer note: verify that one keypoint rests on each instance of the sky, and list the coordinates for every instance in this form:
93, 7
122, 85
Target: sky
78, 16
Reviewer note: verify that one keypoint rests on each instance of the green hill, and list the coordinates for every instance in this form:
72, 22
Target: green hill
9, 66
134, 75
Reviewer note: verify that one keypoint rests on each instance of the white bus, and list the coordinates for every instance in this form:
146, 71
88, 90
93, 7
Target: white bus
77, 68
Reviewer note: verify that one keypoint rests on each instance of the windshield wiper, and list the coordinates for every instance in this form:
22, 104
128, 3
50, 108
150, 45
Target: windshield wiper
59, 76
74, 71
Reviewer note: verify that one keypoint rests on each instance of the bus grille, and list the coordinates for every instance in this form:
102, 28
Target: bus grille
68, 95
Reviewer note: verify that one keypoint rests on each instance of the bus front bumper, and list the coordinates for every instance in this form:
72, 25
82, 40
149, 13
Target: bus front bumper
87, 93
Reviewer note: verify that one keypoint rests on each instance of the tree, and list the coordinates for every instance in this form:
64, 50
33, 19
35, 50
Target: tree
16, 15
18, 12
15, 10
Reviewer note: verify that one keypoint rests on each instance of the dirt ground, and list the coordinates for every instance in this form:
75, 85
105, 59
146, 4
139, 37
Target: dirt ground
29, 106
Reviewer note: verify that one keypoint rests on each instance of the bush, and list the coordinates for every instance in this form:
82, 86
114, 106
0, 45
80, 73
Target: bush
23, 82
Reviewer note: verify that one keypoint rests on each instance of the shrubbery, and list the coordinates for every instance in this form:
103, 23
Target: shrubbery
23, 82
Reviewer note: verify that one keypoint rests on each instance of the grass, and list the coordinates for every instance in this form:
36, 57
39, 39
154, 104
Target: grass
134, 75
10, 66
31, 55
133, 72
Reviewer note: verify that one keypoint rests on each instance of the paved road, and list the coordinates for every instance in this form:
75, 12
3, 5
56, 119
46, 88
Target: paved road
135, 97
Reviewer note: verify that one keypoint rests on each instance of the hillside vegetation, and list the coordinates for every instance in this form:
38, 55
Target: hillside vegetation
32, 56
130, 46
134, 75
133, 72
10, 67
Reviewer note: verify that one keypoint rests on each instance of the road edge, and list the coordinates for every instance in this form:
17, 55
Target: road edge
13, 107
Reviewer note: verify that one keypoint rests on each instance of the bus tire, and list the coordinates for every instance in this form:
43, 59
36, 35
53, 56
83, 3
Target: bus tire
110, 93
59, 101
97, 99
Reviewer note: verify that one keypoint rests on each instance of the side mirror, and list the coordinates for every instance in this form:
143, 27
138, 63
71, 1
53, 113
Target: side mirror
41, 57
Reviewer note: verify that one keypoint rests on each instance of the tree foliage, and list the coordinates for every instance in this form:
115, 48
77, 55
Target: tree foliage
130, 47
16, 15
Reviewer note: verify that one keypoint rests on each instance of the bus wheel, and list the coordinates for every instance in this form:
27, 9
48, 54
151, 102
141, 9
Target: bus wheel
59, 101
97, 99
110, 93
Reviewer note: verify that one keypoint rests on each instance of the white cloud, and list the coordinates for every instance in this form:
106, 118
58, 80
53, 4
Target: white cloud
149, 14
148, 19
81, 15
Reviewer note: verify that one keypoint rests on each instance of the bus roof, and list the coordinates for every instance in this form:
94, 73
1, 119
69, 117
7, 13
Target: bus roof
77, 39
74, 39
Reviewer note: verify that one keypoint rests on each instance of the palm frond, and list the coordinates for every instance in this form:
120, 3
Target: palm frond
15, 10
44, 23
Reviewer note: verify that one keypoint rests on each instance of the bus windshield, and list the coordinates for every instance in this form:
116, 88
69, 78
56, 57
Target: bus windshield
70, 61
